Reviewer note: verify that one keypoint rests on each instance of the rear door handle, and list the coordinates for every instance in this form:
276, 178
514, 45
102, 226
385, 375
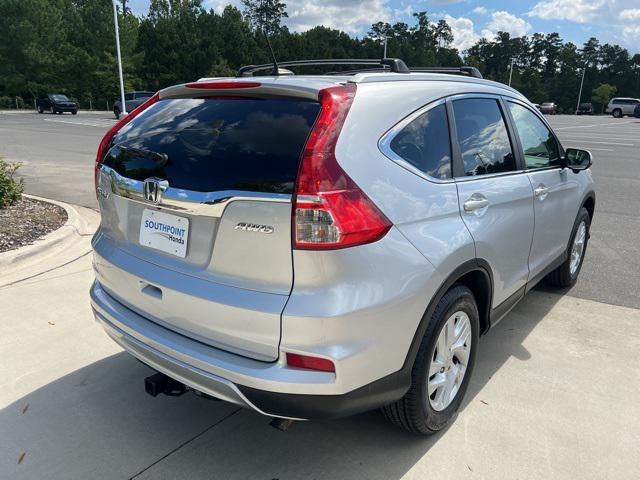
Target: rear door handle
475, 202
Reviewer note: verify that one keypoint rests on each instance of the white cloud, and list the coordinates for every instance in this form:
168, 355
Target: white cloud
613, 18
351, 16
464, 35
480, 11
502, 21
581, 11
630, 14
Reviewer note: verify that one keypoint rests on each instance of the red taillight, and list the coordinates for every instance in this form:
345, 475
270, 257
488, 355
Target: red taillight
330, 210
310, 363
106, 140
218, 85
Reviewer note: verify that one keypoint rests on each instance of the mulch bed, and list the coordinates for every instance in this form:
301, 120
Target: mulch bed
28, 220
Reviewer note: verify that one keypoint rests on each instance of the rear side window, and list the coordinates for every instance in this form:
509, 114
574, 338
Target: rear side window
425, 144
216, 144
483, 138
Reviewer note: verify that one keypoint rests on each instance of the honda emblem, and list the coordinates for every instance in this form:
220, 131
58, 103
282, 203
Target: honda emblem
153, 189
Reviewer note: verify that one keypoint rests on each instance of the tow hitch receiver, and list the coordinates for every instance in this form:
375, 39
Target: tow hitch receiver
160, 383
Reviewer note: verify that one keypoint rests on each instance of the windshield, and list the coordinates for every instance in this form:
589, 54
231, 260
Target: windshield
59, 98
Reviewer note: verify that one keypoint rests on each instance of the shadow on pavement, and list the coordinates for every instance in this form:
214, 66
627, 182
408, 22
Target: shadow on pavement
97, 422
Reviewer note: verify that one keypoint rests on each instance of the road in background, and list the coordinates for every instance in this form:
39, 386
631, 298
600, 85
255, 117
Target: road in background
58, 152
611, 270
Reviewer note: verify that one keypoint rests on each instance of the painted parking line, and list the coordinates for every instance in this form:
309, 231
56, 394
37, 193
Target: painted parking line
595, 149
105, 123
610, 124
582, 140
600, 136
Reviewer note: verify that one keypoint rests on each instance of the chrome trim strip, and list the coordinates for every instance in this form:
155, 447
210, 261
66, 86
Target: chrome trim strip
209, 204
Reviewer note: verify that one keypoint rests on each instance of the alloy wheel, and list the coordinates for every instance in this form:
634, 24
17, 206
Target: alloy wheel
449, 361
577, 248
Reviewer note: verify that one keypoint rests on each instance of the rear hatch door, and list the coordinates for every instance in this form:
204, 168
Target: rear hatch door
195, 196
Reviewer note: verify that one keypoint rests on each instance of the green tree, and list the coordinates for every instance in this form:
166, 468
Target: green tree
265, 15
603, 93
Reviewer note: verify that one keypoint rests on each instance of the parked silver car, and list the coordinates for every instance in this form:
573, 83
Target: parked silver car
621, 106
318, 246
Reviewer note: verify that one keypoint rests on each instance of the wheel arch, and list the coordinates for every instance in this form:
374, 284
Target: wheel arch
589, 202
474, 274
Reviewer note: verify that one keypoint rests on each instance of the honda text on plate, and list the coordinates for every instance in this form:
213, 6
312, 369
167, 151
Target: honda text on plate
313, 246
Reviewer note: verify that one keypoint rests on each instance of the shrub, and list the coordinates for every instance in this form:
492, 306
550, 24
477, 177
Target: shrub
6, 103
10, 187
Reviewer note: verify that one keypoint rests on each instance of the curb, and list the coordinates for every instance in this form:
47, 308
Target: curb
58, 239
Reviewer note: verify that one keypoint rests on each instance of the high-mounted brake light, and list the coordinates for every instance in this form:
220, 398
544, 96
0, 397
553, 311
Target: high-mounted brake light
222, 85
330, 210
310, 363
106, 140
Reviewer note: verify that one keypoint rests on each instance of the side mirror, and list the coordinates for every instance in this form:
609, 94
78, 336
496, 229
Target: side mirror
577, 159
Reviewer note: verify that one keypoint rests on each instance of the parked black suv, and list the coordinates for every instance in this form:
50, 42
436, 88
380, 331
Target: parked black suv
56, 103
131, 100
636, 111
585, 109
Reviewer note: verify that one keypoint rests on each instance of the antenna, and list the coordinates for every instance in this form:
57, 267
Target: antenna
273, 55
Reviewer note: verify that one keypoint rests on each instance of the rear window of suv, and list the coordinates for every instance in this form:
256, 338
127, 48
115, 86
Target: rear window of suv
216, 143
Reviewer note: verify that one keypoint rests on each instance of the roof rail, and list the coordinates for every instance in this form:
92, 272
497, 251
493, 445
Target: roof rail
394, 65
468, 71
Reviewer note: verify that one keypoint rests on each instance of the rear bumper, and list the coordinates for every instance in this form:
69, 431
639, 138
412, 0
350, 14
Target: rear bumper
270, 388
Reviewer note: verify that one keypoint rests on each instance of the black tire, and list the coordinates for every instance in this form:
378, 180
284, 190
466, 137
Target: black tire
562, 277
116, 112
414, 412
75, 112
617, 113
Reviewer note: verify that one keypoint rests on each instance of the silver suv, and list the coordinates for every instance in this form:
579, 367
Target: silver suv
318, 246
621, 106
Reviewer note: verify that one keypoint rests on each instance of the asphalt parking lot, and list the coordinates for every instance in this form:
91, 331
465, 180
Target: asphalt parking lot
553, 394
58, 152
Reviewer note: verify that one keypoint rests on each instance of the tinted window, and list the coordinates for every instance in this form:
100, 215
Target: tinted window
482, 135
216, 144
538, 144
424, 143
128, 96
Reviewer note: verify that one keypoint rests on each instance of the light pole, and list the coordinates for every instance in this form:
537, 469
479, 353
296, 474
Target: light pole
384, 55
513, 59
115, 21
584, 70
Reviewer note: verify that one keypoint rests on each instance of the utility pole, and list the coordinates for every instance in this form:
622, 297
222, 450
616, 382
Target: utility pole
513, 59
384, 55
584, 70
115, 21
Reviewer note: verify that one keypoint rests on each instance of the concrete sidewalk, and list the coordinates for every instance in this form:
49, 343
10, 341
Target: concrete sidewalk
553, 396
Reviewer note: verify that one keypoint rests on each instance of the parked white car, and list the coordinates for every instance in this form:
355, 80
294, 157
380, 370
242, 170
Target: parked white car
621, 106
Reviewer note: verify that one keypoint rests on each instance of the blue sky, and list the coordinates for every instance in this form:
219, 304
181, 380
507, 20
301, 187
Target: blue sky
611, 21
